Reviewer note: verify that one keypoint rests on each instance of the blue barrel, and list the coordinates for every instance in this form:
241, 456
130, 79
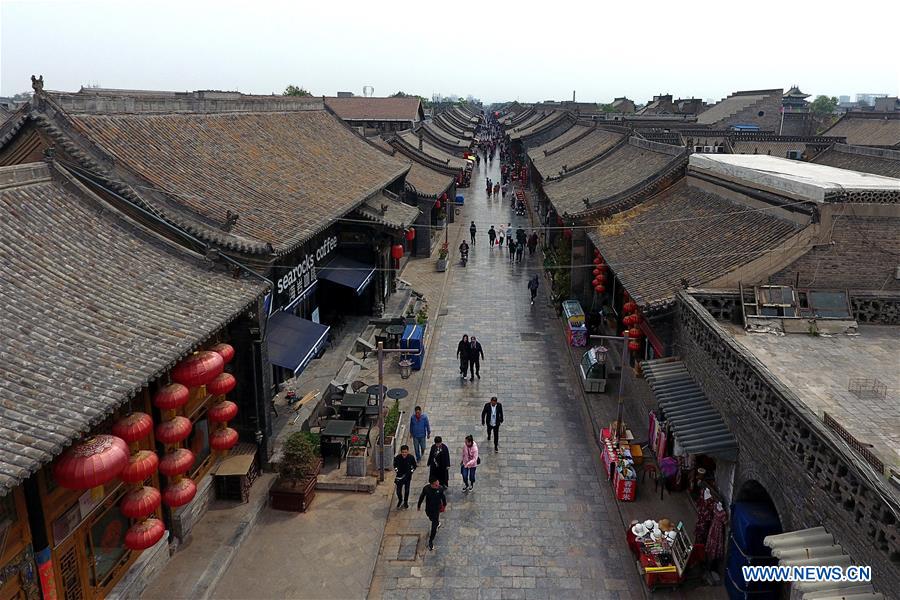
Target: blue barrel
750, 523
414, 339
460, 200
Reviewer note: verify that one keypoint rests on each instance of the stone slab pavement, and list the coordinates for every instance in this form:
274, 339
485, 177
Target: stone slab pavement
539, 523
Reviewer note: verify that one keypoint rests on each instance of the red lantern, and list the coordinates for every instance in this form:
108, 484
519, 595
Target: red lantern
171, 396
223, 412
140, 502
437, 204
134, 427
567, 233
397, 251
223, 439
629, 306
626, 320
90, 464
180, 493
410, 234
226, 351
634, 345
145, 534
198, 369
174, 431
443, 197
635, 333
141, 465
221, 385
636, 318
596, 272
599, 289
177, 462
601, 278
597, 261
597, 252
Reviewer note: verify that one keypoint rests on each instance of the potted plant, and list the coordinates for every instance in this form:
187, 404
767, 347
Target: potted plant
410, 318
391, 425
443, 253
357, 457
422, 315
442, 218
298, 472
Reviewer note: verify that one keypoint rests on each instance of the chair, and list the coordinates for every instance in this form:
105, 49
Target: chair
658, 481
357, 385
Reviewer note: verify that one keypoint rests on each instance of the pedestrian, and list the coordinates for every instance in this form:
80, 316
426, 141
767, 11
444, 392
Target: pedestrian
492, 417
496, 190
492, 236
419, 430
472, 231
476, 353
439, 461
469, 463
521, 237
500, 237
435, 503
520, 251
511, 245
533, 285
462, 353
532, 243
404, 465
509, 231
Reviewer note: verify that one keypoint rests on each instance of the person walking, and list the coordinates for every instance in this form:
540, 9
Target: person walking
533, 285
435, 502
419, 431
439, 462
404, 465
475, 354
521, 237
472, 231
500, 237
511, 246
492, 417
509, 231
532, 243
492, 236
462, 353
469, 463
520, 251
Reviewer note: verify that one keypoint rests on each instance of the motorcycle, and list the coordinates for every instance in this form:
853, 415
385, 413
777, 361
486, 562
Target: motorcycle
463, 258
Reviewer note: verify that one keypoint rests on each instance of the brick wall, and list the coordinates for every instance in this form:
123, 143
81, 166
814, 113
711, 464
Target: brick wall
770, 120
863, 256
810, 477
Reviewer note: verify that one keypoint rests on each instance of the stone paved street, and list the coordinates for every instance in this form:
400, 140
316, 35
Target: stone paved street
539, 524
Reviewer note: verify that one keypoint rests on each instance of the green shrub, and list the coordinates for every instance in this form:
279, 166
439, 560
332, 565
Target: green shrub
392, 419
299, 456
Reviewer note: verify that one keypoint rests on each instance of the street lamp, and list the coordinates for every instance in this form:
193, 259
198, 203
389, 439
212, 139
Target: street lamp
619, 402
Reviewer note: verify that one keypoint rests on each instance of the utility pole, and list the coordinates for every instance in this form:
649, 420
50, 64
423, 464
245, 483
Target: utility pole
381, 351
620, 406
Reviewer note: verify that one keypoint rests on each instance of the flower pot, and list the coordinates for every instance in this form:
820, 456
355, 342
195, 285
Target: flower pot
388, 451
441, 265
295, 496
357, 460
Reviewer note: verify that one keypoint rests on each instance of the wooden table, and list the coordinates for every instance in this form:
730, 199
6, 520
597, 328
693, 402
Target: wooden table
337, 432
394, 332
354, 404
234, 475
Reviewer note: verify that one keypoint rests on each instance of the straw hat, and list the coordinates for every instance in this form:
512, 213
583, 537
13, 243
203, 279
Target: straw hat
639, 530
666, 525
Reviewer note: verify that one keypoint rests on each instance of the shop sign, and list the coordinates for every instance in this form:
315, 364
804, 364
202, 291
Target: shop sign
46, 574
292, 285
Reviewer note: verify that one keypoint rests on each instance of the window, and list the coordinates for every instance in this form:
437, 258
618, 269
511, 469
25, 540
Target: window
822, 304
776, 301
198, 443
761, 113
106, 545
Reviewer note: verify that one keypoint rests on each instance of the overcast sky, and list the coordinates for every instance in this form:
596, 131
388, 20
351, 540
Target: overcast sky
524, 51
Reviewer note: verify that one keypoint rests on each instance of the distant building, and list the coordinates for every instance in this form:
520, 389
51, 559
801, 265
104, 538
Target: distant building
378, 115
623, 105
760, 109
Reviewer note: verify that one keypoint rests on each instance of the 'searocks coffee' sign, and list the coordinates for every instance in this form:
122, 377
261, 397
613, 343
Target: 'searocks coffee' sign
294, 283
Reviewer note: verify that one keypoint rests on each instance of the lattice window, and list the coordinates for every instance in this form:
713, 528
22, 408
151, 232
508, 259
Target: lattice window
70, 574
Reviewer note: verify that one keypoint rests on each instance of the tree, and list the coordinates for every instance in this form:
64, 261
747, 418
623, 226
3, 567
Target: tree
823, 105
293, 90
401, 95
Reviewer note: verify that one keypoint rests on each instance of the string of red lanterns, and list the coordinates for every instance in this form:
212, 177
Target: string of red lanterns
631, 320
224, 438
599, 272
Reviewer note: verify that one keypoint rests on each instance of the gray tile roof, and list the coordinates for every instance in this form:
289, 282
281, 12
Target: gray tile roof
554, 162
860, 158
442, 156
388, 210
92, 308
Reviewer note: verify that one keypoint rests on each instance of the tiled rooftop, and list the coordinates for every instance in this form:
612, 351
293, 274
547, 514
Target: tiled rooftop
868, 129
442, 156
360, 108
94, 308
573, 154
859, 158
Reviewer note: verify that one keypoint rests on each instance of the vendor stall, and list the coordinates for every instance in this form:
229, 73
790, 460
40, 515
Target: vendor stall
593, 369
664, 551
576, 330
619, 464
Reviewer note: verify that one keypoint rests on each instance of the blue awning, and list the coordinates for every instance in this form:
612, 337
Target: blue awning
697, 425
293, 342
348, 273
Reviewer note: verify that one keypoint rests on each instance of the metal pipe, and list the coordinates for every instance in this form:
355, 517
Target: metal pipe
381, 350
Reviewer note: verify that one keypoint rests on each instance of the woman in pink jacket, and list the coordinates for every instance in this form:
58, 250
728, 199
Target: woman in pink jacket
469, 463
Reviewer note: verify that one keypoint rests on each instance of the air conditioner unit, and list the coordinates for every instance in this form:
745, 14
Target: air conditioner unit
793, 154
698, 149
708, 149
720, 149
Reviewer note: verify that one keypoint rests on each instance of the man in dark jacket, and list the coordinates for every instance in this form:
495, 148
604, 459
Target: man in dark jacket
492, 417
476, 353
435, 500
462, 353
521, 237
472, 231
439, 462
404, 465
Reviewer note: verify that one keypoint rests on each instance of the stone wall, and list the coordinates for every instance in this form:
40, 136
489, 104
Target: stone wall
185, 517
770, 120
142, 572
811, 477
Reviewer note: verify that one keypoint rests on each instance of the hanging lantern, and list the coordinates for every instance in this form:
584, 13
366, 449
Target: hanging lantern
634, 345
599, 289
437, 204
636, 318
625, 296
443, 197
226, 351
626, 320
198, 369
410, 234
171, 396
223, 412
629, 306
140, 502
567, 233
223, 439
635, 333
597, 261
597, 252
141, 465
145, 534
92, 463
596, 272
180, 493
397, 251
174, 431
595, 281
602, 277
134, 427
221, 385
177, 462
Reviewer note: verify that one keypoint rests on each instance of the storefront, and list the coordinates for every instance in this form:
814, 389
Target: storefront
18, 573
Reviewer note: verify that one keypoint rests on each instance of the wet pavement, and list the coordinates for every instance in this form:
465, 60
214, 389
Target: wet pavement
539, 523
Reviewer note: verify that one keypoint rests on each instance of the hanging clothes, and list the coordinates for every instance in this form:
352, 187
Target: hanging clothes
705, 512
715, 541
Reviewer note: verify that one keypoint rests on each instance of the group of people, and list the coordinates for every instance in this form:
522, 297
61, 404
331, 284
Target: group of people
516, 245
469, 352
433, 495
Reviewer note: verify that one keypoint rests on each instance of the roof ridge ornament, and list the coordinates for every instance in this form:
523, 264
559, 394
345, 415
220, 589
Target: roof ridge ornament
37, 84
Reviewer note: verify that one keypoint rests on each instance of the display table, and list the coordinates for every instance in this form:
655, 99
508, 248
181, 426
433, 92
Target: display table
234, 475
619, 465
664, 552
